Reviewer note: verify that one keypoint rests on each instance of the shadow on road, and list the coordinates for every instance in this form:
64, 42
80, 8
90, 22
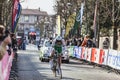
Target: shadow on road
78, 64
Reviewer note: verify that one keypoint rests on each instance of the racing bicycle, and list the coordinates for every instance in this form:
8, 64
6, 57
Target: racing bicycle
56, 65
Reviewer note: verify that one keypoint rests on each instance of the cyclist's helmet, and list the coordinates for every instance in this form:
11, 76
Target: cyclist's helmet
59, 38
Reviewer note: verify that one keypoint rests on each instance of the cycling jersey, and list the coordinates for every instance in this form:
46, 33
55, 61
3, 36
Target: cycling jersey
58, 48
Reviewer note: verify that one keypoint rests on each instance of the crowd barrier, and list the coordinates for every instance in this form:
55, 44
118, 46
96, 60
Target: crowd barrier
107, 57
5, 66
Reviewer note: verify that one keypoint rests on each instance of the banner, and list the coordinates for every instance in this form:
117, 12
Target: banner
83, 50
16, 8
93, 55
70, 23
88, 54
70, 49
18, 16
118, 61
100, 56
5, 66
103, 56
97, 55
77, 52
112, 58
80, 14
1, 75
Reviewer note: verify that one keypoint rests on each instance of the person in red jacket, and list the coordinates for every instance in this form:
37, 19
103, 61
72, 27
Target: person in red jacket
84, 43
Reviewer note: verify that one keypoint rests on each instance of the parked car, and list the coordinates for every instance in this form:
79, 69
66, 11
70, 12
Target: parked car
65, 55
45, 51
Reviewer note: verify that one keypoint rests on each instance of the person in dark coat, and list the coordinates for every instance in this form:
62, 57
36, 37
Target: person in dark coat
106, 43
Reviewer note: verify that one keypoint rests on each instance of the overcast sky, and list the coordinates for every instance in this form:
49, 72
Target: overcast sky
45, 5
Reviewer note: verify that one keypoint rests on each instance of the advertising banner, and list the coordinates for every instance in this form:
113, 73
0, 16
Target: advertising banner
93, 55
88, 54
79, 52
103, 56
112, 58
118, 61
76, 52
83, 53
5, 66
70, 49
97, 55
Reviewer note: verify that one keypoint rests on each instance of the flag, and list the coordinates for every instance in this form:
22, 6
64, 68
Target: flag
16, 5
80, 14
75, 27
78, 20
82, 8
18, 16
70, 23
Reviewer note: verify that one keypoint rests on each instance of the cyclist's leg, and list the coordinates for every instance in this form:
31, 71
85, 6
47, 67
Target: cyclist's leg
59, 60
59, 64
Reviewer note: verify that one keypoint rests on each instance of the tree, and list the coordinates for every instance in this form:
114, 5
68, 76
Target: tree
65, 8
110, 17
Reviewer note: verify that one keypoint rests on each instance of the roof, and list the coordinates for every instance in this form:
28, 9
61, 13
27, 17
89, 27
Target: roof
33, 12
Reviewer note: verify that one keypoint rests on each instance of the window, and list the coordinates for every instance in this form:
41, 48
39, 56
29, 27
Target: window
26, 19
21, 19
20, 27
35, 18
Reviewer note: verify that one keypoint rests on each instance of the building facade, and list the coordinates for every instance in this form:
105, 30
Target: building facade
30, 23
50, 28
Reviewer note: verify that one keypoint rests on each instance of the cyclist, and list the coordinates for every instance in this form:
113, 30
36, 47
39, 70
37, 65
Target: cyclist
57, 47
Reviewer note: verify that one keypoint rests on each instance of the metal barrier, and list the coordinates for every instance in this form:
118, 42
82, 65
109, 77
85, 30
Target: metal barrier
104, 57
8, 67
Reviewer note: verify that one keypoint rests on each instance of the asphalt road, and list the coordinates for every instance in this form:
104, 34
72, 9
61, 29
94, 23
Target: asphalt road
30, 68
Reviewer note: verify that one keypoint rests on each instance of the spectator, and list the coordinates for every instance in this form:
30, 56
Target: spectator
84, 42
106, 43
74, 41
24, 43
79, 42
90, 43
67, 41
14, 41
5, 40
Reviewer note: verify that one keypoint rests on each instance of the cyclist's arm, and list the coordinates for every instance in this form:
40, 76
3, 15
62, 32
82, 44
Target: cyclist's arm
52, 52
